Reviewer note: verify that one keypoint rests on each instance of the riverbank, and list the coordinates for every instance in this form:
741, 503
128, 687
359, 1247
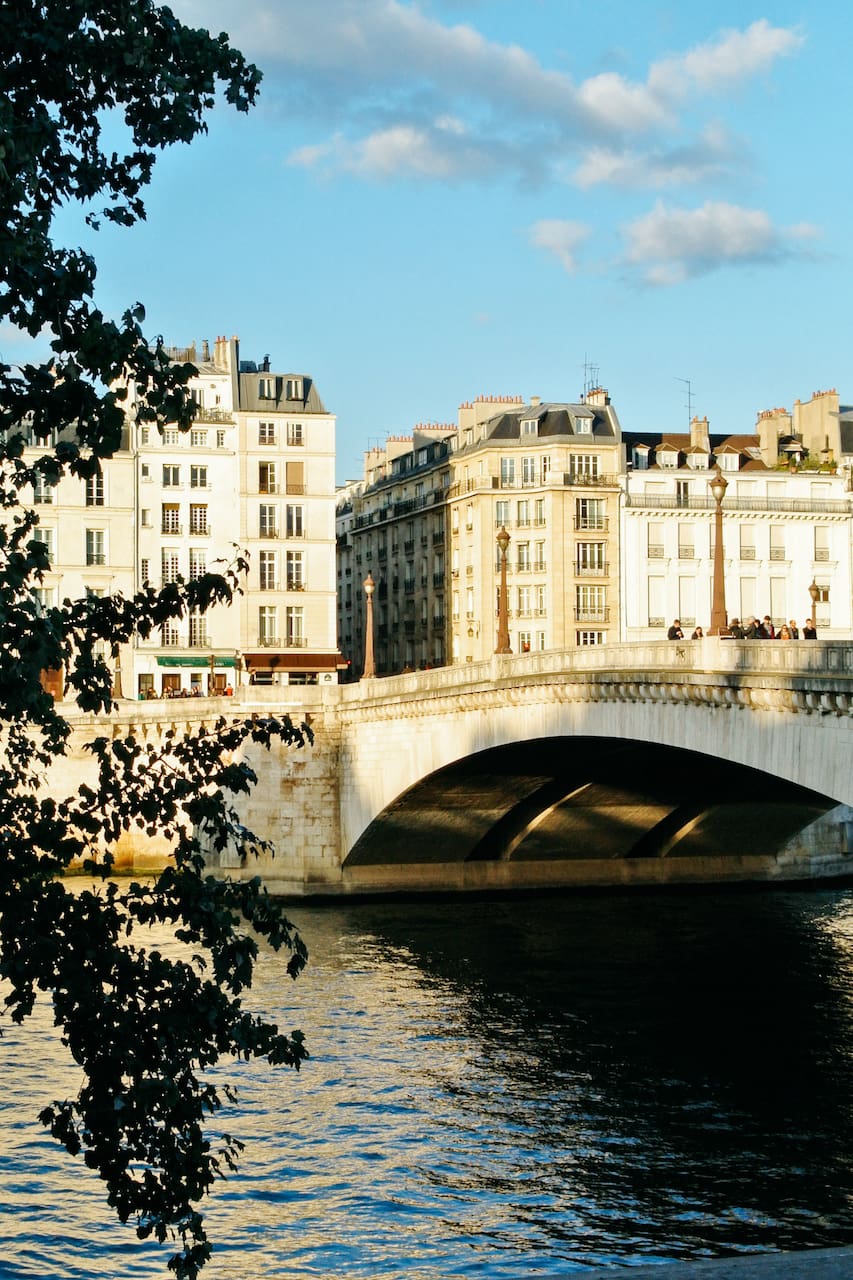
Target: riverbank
805, 1264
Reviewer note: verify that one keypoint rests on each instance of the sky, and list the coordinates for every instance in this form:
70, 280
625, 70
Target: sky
438, 200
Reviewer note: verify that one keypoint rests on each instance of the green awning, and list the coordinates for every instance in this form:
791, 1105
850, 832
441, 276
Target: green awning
201, 664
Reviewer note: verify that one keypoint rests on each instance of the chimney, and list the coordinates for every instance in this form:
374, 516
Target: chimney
699, 434
535, 401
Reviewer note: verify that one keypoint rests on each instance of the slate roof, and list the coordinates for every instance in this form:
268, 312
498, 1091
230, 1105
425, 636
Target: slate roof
252, 402
553, 420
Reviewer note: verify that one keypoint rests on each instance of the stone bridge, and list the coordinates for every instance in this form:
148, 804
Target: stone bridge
639, 763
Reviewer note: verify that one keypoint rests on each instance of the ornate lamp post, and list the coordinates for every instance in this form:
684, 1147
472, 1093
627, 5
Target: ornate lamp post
503, 606
814, 596
369, 663
719, 618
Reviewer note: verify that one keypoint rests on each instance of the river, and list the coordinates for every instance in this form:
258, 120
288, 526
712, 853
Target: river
503, 1088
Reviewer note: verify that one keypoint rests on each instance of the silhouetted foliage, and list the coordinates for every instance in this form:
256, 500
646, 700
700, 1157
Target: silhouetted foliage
143, 1027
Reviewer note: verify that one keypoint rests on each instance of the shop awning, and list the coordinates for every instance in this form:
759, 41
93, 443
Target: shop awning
200, 663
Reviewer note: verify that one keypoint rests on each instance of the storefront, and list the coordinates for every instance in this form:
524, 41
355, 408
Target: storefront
185, 676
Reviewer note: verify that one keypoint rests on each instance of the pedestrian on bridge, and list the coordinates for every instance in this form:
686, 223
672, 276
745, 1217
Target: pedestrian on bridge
675, 632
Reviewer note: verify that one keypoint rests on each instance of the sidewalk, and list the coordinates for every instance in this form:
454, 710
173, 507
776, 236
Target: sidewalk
808, 1264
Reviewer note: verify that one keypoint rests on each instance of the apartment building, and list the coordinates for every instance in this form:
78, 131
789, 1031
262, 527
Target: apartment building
253, 478
786, 527
425, 518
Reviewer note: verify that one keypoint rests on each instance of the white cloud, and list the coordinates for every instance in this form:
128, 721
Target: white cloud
560, 237
378, 77
711, 156
735, 55
669, 245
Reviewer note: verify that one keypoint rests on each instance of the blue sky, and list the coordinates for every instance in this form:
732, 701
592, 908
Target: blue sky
438, 200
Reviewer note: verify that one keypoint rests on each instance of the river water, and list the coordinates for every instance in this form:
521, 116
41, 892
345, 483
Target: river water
504, 1088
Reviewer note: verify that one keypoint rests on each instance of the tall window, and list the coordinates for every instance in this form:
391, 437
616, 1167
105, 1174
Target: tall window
198, 517
171, 518
171, 475
198, 477
145, 570
821, 542
524, 598
268, 624
267, 477
266, 433
295, 433
267, 566
589, 557
501, 512
267, 521
295, 574
293, 616
528, 471
523, 514
198, 630
169, 635
47, 538
589, 513
95, 553
95, 491
295, 526
198, 563
507, 472
539, 510
170, 565
584, 466
171, 436
42, 489
295, 476
523, 552
539, 607
590, 603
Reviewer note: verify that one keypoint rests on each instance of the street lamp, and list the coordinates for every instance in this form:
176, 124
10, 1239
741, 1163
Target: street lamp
369, 663
719, 618
814, 596
503, 607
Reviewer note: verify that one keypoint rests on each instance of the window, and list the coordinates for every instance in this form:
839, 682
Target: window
589, 557
523, 602
295, 571
523, 645
95, 491
682, 493
171, 518
42, 489
266, 433
667, 457
144, 435
455, 606
198, 563
268, 624
656, 602
44, 596
295, 526
267, 521
523, 514
686, 546
469, 516
220, 439
47, 538
539, 557
777, 542
170, 637
198, 477
293, 389
546, 468
584, 466
583, 426
145, 471
501, 513
268, 568
539, 601
529, 427
267, 477
171, 475
523, 552
145, 570
95, 553
198, 439
295, 477
528, 471
266, 388
198, 517
821, 542
590, 603
293, 619
589, 513
198, 630
583, 638
170, 565
171, 436
469, 602
539, 509
145, 517
747, 542
507, 472
295, 434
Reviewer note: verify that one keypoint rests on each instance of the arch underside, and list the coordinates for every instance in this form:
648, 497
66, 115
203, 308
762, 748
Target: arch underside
572, 799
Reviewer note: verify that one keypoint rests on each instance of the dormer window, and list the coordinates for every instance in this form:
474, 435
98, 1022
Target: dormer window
641, 459
266, 388
293, 388
698, 461
529, 427
583, 426
667, 458
729, 461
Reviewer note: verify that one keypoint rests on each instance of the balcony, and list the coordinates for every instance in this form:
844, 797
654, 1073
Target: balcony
295, 490
269, 642
295, 642
599, 524
409, 626
747, 553
438, 622
295, 584
171, 529
409, 547
686, 553
214, 416
438, 579
268, 533
409, 586
655, 551
438, 538
592, 613
595, 570
778, 553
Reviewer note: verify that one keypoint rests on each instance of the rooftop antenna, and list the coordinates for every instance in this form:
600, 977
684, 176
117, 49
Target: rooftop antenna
689, 385
590, 377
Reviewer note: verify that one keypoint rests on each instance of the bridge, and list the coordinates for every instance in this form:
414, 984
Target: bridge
648, 763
